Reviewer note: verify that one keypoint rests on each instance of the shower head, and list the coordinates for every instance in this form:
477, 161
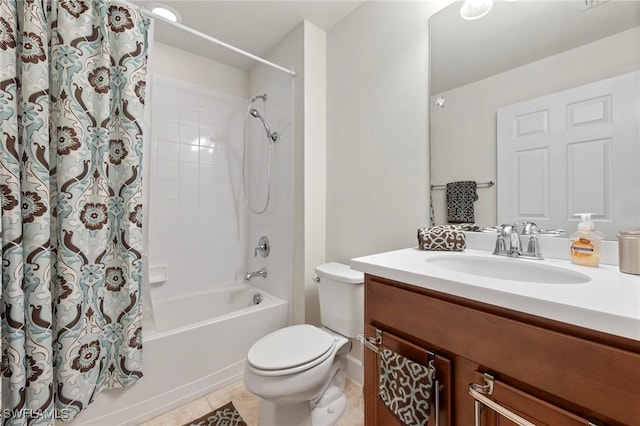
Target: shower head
271, 135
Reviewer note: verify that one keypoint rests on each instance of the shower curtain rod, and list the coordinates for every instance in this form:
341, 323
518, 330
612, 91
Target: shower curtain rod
204, 36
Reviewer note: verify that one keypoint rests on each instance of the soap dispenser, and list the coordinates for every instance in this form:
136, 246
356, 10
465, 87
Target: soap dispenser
585, 242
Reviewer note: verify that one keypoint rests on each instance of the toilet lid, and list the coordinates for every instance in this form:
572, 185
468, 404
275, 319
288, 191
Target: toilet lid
290, 347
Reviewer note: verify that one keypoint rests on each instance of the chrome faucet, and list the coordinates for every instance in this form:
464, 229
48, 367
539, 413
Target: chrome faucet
529, 228
508, 241
261, 273
533, 248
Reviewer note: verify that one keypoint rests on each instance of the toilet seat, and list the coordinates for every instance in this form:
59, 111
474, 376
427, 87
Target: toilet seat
291, 350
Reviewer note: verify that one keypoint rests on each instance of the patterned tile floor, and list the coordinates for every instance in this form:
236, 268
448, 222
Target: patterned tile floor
247, 405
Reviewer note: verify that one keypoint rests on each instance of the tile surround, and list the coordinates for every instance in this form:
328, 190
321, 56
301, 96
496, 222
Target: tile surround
193, 192
199, 225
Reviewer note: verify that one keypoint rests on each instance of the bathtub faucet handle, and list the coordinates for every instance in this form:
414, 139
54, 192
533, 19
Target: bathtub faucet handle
263, 247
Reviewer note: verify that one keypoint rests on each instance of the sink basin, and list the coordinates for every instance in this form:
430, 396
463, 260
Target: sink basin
508, 269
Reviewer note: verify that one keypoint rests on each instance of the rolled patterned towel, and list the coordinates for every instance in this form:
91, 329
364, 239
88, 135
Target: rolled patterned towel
442, 238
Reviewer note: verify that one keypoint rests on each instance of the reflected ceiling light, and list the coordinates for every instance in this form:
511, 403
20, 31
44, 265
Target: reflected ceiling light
165, 11
475, 9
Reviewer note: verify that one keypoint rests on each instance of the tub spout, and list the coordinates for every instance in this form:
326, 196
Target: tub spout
261, 273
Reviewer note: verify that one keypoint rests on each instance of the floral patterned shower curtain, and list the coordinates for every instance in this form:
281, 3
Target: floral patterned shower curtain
72, 81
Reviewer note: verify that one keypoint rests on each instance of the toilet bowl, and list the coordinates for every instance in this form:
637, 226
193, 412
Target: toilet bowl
290, 392
299, 371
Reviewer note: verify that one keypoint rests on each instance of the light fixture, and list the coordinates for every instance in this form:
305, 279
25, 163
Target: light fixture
475, 9
165, 12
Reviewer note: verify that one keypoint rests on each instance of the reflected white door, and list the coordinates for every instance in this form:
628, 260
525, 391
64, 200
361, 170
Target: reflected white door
571, 152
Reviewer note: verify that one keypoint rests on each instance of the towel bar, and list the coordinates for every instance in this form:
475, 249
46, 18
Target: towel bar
478, 393
488, 184
373, 343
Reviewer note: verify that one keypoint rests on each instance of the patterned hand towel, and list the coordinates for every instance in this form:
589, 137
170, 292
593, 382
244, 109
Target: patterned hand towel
406, 387
442, 238
460, 198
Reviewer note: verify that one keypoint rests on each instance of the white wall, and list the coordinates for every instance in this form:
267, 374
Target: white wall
185, 66
315, 164
463, 133
377, 132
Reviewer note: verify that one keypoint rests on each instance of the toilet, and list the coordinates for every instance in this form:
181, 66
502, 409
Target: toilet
299, 371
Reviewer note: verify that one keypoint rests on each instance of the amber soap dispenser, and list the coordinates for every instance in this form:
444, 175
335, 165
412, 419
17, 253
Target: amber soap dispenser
585, 242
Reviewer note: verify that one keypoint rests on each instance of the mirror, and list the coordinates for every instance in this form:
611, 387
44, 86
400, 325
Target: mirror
520, 51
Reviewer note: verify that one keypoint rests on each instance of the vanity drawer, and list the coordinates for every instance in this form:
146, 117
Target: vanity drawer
580, 375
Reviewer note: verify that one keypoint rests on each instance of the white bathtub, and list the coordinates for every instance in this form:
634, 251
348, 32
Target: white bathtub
199, 345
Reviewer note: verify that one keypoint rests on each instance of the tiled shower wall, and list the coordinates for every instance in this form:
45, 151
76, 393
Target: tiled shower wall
197, 217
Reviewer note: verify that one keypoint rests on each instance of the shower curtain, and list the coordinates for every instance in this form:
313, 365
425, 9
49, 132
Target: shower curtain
72, 83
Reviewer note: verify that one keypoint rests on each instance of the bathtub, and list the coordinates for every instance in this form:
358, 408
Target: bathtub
199, 345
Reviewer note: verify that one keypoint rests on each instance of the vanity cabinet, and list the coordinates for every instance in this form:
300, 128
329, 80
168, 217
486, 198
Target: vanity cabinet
547, 372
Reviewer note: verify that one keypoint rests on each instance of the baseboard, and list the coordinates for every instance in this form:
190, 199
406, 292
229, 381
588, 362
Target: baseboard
355, 369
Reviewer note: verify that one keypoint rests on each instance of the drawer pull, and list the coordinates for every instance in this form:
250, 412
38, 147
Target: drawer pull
478, 393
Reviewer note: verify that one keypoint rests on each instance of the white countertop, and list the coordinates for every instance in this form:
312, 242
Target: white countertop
609, 302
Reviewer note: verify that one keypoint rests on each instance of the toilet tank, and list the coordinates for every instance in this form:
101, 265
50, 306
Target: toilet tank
341, 291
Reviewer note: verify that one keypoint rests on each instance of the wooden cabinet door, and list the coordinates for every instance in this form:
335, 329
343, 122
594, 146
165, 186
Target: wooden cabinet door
527, 406
376, 412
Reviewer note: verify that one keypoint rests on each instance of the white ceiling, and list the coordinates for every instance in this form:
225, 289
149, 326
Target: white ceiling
515, 33
254, 26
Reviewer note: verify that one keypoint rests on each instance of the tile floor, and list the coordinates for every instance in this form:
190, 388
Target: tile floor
247, 405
